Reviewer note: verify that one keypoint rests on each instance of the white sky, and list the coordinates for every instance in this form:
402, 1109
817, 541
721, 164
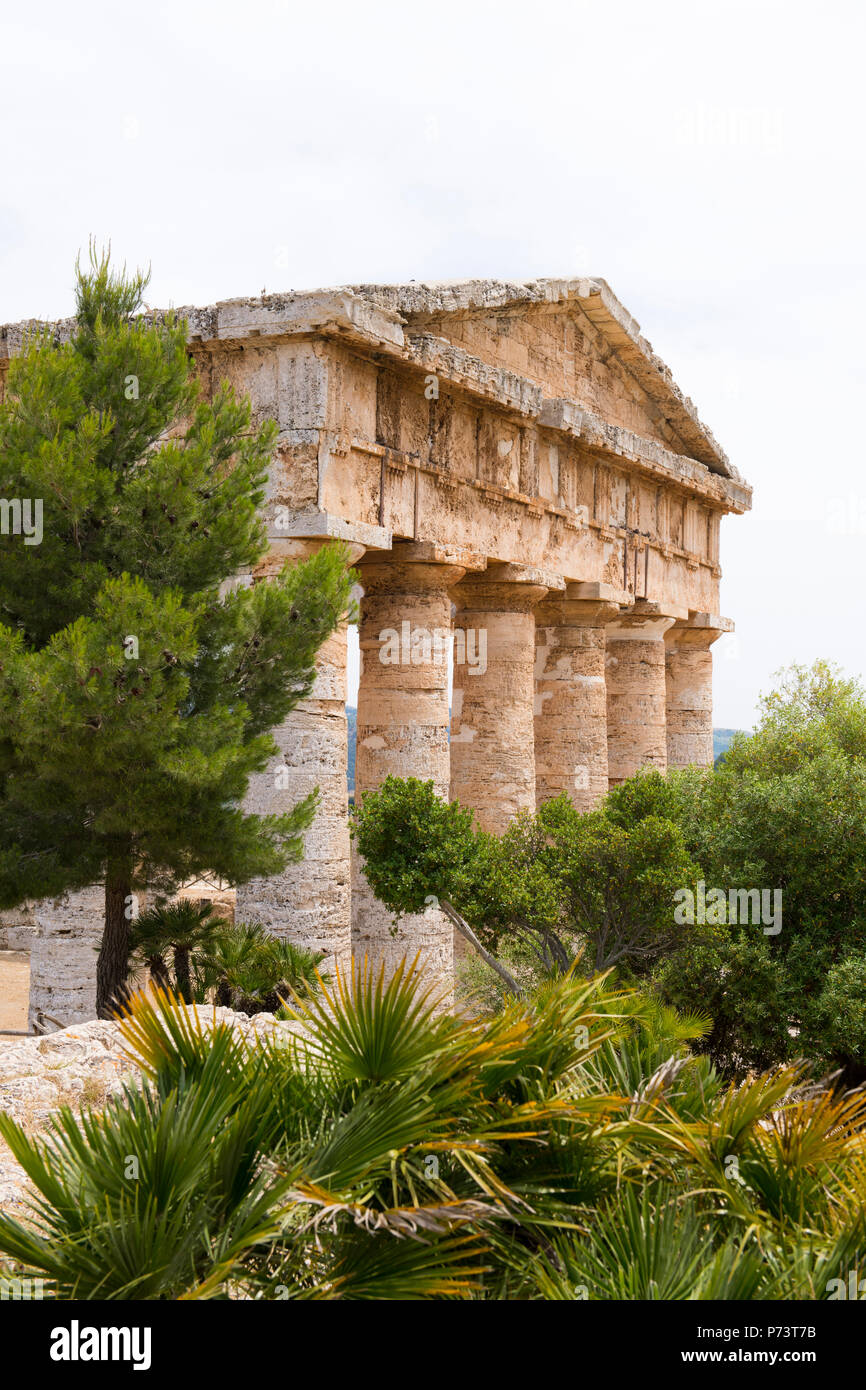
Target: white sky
706, 159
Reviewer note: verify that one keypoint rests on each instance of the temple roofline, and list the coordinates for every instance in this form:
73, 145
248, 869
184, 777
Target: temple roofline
390, 319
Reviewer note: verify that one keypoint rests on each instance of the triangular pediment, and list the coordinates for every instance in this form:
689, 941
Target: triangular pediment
570, 337
569, 342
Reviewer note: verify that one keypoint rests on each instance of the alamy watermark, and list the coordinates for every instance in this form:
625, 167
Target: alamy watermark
21, 1288
22, 516
737, 906
846, 516
77, 1343
734, 127
854, 1288
420, 646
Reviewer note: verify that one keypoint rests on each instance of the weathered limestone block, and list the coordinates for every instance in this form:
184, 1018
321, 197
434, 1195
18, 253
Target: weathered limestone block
636, 695
309, 902
689, 683
63, 955
405, 634
18, 926
571, 753
293, 478
492, 732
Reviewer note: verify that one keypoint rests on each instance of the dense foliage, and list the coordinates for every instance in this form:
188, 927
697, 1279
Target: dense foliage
777, 832
785, 811
554, 884
198, 955
570, 1147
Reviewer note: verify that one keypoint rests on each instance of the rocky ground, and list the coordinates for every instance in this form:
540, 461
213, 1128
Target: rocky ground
81, 1065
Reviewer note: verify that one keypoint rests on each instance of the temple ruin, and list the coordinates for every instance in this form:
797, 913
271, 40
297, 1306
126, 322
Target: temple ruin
516, 474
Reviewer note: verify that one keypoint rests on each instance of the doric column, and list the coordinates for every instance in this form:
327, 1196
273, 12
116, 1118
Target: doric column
689, 680
309, 903
636, 696
63, 955
405, 635
492, 733
571, 695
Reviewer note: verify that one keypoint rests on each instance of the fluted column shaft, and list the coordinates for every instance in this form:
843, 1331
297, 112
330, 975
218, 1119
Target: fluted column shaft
689, 680
309, 903
636, 694
405, 635
571, 753
492, 729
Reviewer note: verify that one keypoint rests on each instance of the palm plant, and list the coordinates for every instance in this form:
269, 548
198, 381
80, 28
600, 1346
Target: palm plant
233, 965
378, 1141
184, 929
298, 968
648, 1245
570, 1146
252, 971
156, 1197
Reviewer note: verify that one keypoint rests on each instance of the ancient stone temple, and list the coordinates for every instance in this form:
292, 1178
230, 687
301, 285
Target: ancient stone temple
531, 502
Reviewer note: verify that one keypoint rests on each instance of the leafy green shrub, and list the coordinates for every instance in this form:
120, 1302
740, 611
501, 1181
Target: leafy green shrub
557, 884
836, 1026
741, 984
677, 795
786, 810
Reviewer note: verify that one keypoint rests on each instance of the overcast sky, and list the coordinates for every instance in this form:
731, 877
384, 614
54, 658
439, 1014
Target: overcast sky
706, 159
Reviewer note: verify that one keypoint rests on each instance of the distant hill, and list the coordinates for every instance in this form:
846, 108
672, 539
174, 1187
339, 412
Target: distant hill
721, 741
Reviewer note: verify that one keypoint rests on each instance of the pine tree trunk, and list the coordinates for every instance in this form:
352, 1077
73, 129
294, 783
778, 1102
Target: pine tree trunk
112, 964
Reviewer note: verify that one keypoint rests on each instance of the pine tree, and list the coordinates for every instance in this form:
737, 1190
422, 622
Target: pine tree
135, 700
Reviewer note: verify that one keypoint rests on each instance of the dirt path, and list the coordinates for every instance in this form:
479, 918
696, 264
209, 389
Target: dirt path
14, 990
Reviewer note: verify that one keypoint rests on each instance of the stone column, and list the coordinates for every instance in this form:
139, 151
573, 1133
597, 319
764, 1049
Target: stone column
492, 729
636, 696
571, 697
63, 955
65, 934
309, 903
405, 635
689, 679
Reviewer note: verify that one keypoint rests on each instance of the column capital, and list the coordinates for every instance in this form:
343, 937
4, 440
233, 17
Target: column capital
295, 549
645, 621
698, 631
573, 609
634, 627
435, 553
391, 573
607, 593
506, 588
327, 526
